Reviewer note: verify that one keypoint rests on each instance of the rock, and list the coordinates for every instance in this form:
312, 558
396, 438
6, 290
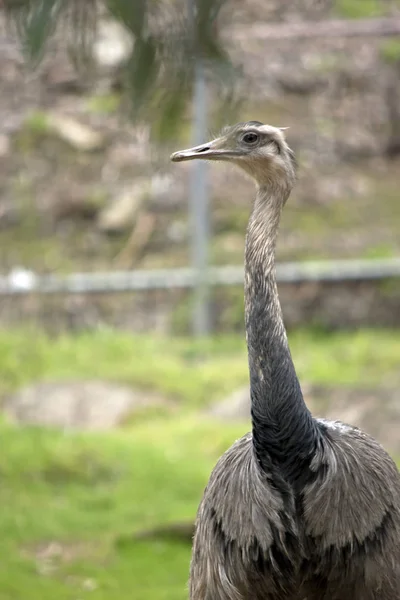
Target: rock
78, 136
375, 411
5, 145
123, 211
84, 405
112, 46
235, 407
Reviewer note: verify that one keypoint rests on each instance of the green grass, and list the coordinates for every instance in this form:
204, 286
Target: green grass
70, 503
161, 364
379, 251
86, 495
103, 104
37, 122
358, 9
192, 372
390, 51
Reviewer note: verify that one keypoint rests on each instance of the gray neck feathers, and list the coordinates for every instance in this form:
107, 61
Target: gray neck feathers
283, 429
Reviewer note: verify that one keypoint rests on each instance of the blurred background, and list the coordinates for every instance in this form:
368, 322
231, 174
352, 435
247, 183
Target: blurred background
123, 366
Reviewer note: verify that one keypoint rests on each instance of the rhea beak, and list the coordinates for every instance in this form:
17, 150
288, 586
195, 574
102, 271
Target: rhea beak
209, 151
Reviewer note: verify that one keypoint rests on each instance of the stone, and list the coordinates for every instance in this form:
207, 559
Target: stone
75, 134
112, 46
375, 411
121, 214
5, 146
78, 405
235, 407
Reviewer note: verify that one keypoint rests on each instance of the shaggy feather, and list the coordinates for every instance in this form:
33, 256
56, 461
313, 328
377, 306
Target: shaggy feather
301, 508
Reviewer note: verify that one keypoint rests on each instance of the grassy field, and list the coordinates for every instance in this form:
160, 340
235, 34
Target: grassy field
172, 366
71, 502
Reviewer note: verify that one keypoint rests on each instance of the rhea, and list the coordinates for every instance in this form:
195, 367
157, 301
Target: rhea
300, 508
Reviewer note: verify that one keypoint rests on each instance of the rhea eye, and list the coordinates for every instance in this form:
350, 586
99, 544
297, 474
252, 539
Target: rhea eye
250, 138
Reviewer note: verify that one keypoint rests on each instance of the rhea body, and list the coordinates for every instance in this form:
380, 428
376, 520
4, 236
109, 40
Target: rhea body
300, 508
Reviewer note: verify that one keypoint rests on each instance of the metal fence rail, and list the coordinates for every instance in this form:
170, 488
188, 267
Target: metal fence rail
20, 281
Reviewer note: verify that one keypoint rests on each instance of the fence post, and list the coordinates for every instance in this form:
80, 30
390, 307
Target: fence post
199, 199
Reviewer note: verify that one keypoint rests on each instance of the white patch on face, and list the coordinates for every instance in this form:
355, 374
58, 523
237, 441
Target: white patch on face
277, 131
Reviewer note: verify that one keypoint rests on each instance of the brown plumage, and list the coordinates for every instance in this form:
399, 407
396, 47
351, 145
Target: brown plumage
301, 508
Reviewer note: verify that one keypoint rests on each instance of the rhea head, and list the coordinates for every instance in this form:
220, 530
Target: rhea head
260, 150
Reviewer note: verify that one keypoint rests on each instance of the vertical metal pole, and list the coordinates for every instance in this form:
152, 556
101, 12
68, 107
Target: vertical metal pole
198, 201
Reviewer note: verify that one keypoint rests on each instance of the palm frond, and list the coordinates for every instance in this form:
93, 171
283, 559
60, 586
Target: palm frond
167, 42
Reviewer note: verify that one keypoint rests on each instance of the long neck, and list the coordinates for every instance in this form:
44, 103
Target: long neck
283, 429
